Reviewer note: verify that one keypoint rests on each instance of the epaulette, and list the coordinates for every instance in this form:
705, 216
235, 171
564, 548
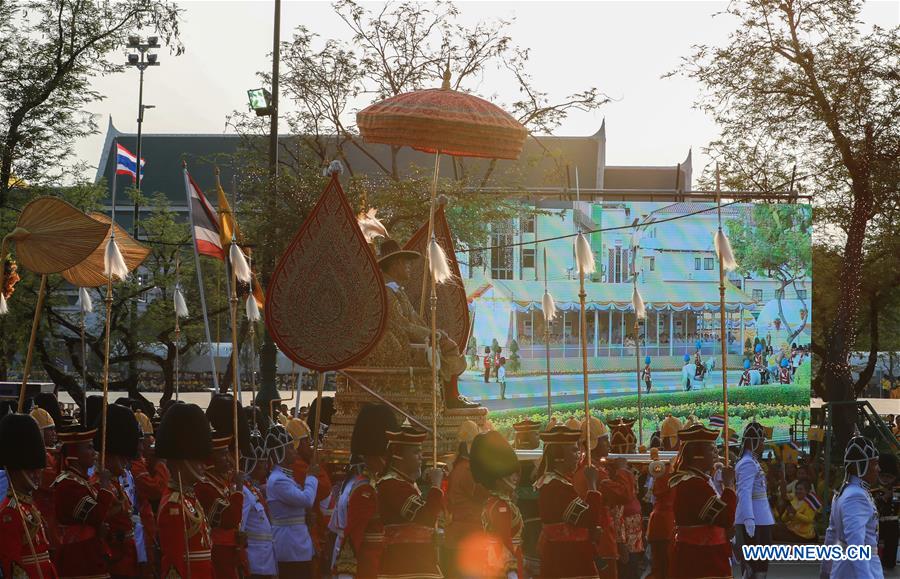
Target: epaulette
174, 497
69, 475
685, 475
550, 476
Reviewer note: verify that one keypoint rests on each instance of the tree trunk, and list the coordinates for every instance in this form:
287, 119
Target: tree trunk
835, 367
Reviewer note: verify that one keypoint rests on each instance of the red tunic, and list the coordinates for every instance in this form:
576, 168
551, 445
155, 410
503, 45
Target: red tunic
81, 510
16, 555
363, 544
465, 501
662, 520
119, 538
702, 517
172, 526
566, 545
149, 488
223, 507
409, 521
615, 492
43, 498
502, 520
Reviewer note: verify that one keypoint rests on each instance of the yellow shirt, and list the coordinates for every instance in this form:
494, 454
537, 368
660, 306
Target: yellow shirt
801, 521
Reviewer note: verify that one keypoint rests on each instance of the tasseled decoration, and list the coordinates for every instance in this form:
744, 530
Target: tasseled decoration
548, 306
584, 257
113, 262
437, 261
181, 309
4, 309
371, 227
638, 303
252, 309
723, 249
239, 263
84, 301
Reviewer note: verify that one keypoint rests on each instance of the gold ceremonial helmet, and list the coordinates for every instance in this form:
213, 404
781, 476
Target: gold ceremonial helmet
43, 418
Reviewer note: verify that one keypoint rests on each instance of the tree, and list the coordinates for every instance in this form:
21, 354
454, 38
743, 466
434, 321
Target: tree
50, 51
803, 81
776, 244
396, 49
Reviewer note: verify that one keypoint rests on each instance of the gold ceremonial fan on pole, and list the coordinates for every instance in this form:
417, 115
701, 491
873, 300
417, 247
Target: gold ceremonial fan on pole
89, 273
51, 236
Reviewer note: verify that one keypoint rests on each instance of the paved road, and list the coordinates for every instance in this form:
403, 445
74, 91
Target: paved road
535, 387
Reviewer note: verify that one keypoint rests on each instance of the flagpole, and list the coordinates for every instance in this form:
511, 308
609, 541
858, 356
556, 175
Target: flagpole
190, 203
722, 322
228, 276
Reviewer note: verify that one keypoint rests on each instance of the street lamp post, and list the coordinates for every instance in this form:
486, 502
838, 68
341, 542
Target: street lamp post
141, 60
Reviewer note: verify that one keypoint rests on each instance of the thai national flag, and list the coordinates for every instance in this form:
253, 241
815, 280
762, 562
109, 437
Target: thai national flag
126, 163
204, 221
717, 421
813, 501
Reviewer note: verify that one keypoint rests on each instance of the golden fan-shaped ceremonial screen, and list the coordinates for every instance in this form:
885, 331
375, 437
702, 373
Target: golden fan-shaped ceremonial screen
326, 305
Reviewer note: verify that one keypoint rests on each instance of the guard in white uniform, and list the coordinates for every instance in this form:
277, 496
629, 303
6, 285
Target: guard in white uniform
288, 501
753, 519
854, 517
254, 518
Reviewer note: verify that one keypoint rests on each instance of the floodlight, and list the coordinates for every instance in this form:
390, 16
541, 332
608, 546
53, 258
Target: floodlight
133, 59
151, 58
153, 41
260, 101
134, 41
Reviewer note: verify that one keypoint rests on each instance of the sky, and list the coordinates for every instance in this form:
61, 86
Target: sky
622, 48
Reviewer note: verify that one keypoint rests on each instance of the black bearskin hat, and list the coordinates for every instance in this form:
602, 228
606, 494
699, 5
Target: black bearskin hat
124, 431
368, 436
21, 443
93, 409
184, 434
48, 402
327, 412
220, 414
492, 458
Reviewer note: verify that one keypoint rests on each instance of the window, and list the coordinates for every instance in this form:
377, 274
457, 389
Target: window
652, 264
698, 263
528, 224
501, 257
619, 264
527, 329
757, 295
801, 294
527, 257
708, 263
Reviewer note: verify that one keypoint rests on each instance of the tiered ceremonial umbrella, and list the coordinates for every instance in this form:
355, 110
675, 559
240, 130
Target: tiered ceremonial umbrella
449, 122
50, 236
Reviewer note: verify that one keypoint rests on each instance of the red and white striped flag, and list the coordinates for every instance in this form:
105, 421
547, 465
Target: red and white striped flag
204, 221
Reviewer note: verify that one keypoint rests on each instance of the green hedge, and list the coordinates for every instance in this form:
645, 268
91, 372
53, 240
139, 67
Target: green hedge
775, 406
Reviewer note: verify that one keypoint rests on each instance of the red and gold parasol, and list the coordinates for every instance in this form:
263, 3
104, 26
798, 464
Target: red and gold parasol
443, 121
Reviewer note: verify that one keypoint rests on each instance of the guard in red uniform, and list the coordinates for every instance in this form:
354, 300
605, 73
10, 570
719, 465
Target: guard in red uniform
221, 493
661, 527
409, 518
615, 492
122, 439
184, 441
703, 517
495, 466
151, 479
43, 496
570, 528
24, 546
81, 508
465, 499
356, 523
